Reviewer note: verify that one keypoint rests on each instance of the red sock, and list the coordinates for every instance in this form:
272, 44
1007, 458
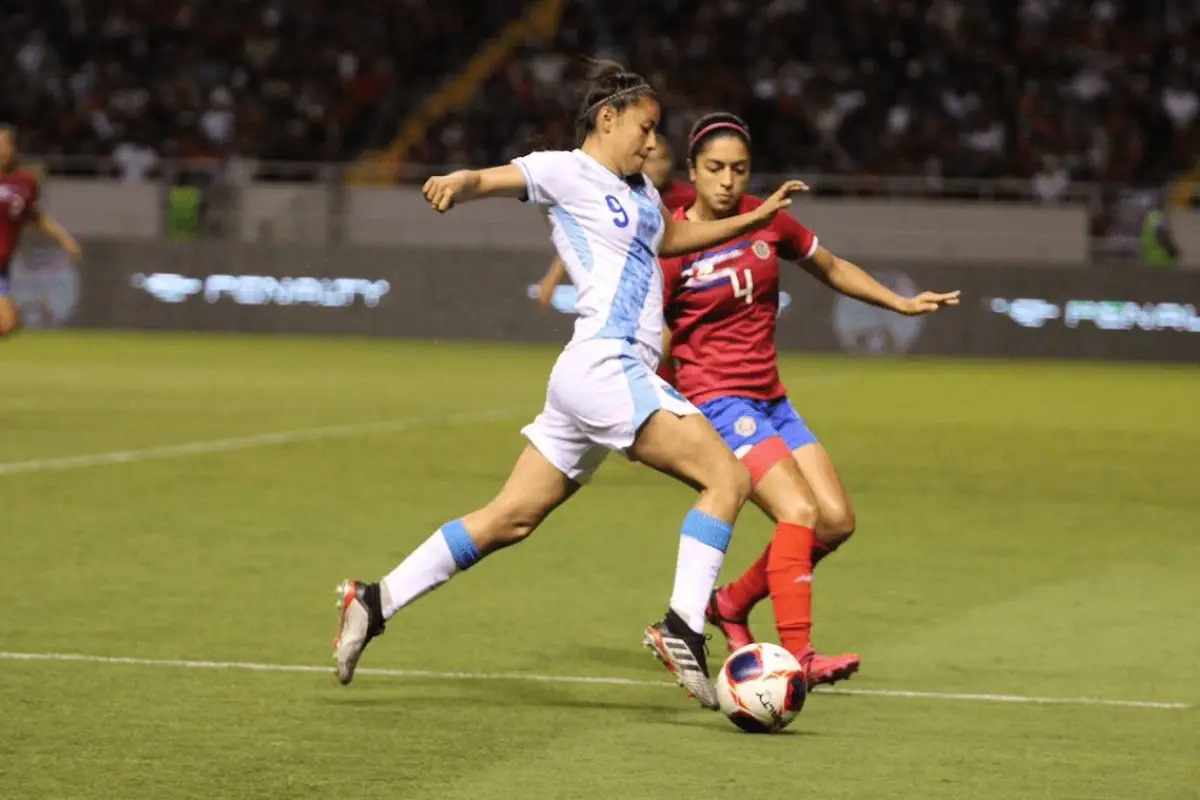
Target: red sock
789, 576
751, 587
819, 551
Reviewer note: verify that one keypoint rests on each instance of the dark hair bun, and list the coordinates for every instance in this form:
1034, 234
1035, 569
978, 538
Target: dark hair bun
609, 84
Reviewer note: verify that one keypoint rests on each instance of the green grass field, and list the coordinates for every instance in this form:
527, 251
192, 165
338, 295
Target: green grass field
1024, 530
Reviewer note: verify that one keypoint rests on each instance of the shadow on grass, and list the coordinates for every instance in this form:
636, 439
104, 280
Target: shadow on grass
661, 707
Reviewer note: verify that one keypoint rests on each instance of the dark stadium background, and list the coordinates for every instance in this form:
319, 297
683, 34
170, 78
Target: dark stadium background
276, 368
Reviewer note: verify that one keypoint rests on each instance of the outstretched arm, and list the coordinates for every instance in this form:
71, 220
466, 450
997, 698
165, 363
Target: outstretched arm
51, 227
849, 279
681, 237
444, 191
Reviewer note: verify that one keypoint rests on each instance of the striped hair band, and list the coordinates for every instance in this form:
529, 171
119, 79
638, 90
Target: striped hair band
619, 93
716, 126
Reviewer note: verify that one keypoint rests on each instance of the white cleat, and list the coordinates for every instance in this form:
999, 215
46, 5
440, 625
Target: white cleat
361, 621
682, 651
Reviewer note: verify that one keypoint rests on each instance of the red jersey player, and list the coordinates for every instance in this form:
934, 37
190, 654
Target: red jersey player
721, 308
19, 194
674, 194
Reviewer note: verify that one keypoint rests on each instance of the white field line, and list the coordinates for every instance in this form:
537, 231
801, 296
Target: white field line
601, 681
245, 442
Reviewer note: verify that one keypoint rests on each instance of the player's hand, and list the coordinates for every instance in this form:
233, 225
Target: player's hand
545, 293
73, 249
441, 190
780, 200
928, 302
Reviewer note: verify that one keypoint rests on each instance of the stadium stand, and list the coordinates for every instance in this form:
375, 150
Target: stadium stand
1053, 90
297, 80
1004, 88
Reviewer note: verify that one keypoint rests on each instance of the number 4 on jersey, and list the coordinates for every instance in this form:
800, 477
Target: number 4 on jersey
740, 290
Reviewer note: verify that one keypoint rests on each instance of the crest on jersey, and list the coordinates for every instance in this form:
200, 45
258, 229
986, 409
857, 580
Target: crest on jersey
14, 199
762, 249
745, 426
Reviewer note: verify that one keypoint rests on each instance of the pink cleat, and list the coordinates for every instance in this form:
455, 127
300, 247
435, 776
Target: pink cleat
732, 624
828, 669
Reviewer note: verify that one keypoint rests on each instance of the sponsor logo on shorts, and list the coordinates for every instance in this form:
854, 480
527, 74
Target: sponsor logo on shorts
745, 426
762, 249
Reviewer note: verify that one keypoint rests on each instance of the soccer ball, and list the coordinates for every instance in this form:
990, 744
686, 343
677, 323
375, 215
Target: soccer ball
762, 688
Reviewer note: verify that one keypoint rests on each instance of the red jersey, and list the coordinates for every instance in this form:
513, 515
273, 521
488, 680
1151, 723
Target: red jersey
677, 194
19, 193
721, 306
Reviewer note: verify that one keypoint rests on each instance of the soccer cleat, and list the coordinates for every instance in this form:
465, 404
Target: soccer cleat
733, 627
684, 653
828, 669
361, 621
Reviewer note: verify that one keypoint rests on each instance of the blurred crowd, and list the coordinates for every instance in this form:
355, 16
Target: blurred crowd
1053, 90
142, 80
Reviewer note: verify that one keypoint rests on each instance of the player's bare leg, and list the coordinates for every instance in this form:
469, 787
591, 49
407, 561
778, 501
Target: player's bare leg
784, 571
834, 526
10, 318
688, 449
533, 490
782, 494
837, 522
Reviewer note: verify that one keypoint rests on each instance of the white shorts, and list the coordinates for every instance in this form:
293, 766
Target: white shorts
600, 395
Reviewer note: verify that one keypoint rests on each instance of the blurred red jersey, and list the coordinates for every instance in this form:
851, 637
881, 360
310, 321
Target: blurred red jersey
721, 306
677, 194
19, 193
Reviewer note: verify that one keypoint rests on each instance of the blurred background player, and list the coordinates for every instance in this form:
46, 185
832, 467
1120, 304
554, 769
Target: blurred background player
721, 308
658, 168
19, 195
608, 226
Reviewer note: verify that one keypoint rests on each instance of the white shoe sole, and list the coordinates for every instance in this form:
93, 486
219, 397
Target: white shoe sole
352, 631
697, 685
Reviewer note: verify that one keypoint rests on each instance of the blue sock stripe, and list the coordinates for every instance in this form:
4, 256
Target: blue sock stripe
708, 530
461, 545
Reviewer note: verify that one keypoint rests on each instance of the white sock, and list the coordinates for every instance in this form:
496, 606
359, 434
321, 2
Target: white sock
696, 574
425, 569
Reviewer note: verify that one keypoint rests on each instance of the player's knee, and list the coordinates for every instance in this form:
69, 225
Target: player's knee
733, 481
838, 521
503, 522
799, 509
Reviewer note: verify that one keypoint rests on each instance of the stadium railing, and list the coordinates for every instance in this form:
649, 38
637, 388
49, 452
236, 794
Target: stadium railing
236, 170
1114, 212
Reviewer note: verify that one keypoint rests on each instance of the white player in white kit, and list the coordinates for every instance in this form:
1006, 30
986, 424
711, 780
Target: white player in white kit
609, 229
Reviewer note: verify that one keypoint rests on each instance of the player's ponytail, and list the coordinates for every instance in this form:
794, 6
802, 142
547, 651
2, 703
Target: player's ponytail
713, 126
608, 84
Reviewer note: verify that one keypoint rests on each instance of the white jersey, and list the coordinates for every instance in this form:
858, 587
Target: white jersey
607, 231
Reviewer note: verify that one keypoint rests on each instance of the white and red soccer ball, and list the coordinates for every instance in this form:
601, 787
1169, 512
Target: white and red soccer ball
762, 688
